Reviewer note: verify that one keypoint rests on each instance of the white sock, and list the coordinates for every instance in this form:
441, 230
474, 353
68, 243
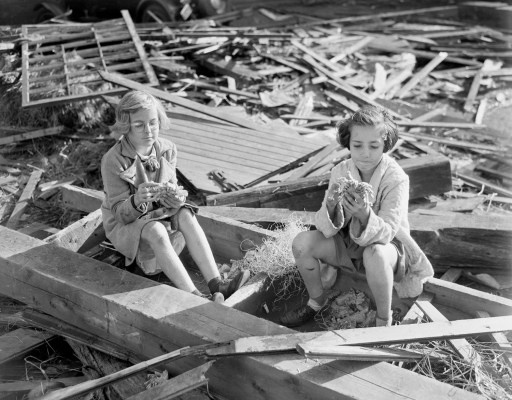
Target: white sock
314, 305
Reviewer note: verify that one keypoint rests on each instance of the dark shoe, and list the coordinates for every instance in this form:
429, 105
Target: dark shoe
298, 316
229, 286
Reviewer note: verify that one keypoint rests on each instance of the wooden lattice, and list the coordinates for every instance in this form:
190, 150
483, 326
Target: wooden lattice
61, 62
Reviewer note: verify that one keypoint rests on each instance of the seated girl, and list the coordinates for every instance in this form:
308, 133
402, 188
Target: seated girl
144, 205
363, 229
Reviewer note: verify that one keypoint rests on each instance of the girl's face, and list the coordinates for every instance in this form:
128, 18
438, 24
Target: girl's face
144, 128
366, 148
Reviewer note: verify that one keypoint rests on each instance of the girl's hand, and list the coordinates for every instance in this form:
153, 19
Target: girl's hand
333, 195
144, 193
357, 206
170, 200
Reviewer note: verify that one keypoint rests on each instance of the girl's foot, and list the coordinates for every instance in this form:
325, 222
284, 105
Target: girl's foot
383, 321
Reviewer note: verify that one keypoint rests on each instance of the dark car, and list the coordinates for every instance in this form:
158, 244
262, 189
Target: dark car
140, 10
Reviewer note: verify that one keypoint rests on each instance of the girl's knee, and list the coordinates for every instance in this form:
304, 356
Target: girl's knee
185, 216
154, 232
301, 245
373, 255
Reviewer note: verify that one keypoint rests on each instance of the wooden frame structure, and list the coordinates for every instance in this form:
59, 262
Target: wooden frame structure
60, 63
150, 319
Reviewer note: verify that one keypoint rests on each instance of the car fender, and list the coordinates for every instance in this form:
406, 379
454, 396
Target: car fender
170, 5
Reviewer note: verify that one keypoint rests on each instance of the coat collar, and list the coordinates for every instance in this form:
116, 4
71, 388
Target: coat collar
377, 176
136, 174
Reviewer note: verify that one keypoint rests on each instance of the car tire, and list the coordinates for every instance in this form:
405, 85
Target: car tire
165, 14
206, 9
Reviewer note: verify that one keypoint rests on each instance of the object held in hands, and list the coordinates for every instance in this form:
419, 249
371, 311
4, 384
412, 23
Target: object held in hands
162, 189
349, 184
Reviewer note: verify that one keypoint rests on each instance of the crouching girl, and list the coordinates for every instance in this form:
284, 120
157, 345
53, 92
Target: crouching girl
363, 229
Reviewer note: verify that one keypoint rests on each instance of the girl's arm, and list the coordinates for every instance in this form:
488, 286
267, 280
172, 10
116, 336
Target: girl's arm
329, 219
121, 200
383, 226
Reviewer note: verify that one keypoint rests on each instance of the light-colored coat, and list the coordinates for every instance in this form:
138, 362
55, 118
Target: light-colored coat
388, 218
122, 173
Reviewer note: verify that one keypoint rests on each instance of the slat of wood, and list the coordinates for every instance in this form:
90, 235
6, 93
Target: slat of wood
473, 91
229, 149
88, 43
421, 74
501, 342
182, 102
153, 80
23, 386
51, 67
216, 153
31, 135
66, 99
467, 299
245, 138
295, 143
304, 170
23, 200
396, 334
414, 315
21, 341
358, 353
226, 165
176, 386
25, 56
461, 346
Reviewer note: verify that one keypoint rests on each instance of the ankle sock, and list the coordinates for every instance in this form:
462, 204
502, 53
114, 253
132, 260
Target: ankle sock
214, 284
314, 304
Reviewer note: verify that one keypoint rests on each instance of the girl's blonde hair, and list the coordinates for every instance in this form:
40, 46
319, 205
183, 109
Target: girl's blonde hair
132, 102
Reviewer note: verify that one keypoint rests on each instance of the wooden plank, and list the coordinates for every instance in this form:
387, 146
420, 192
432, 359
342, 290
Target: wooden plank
473, 91
461, 346
414, 315
421, 74
79, 234
153, 80
82, 199
31, 135
91, 385
23, 200
308, 193
501, 342
174, 99
396, 334
467, 299
176, 386
480, 243
357, 353
23, 386
121, 307
20, 342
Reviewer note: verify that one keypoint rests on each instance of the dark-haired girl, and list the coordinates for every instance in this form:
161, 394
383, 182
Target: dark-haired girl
369, 230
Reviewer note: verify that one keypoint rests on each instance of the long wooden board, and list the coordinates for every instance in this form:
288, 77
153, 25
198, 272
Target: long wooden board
428, 175
151, 319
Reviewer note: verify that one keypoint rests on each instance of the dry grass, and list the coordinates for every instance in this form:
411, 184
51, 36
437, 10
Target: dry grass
274, 258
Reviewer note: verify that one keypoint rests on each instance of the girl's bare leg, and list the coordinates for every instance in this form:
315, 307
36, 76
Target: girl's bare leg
155, 234
380, 264
197, 244
308, 247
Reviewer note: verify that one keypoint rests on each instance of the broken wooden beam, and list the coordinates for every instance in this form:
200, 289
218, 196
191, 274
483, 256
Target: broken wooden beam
31, 135
174, 99
428, 175
20, 342
479, 242
115, 307
82, 199
24, 199
358, 353
176, 386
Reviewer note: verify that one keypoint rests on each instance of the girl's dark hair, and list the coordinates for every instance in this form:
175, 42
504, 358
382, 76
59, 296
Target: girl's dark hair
369, 116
